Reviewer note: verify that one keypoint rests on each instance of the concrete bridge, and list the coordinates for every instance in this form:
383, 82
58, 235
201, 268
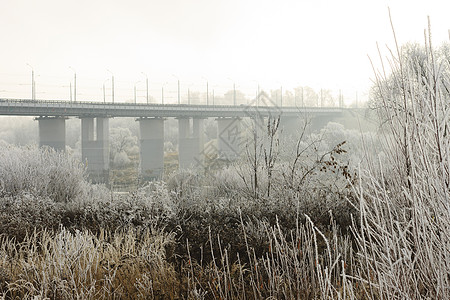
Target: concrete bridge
51, 116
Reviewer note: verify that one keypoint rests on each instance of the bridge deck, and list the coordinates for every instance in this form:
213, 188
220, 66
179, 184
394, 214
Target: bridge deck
26, 107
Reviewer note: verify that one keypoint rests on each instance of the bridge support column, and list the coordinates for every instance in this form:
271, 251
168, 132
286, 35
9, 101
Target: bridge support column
151, 150
190, 142
95, 148
52, 132
229, 138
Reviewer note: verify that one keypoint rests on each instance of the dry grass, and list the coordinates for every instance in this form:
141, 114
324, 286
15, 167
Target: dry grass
84, 266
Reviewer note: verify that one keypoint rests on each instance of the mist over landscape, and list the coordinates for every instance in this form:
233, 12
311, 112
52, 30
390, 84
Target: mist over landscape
224, 150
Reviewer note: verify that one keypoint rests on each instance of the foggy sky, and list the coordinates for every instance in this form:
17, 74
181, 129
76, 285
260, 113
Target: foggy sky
271, 43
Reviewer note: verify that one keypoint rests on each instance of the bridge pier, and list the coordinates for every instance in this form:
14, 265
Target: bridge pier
52, 132
95, 148
190, 142
229, 138
151, 141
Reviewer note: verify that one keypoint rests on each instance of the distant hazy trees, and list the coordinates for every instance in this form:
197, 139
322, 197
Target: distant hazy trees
304, 96
229, 97
19, 130
122, 145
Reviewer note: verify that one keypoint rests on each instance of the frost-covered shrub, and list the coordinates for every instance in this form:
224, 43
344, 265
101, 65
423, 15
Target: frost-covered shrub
156, 196
40, 172
359, 146
403, 233
24, 213
103, 209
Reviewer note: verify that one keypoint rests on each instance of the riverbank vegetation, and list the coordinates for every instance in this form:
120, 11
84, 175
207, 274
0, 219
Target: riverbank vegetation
337, 215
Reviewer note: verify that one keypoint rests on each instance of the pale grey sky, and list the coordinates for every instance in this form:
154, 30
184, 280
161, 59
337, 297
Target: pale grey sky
320, 43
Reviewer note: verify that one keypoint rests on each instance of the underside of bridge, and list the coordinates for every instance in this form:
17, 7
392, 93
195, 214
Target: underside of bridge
190, 142
191, 138
52, 132
151, 144
95, 148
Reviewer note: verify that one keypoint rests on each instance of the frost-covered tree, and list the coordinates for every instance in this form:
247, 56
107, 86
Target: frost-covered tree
408, 77
41, 172
403, 234
122, 144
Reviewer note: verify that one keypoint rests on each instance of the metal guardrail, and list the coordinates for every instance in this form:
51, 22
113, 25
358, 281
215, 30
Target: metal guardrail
26, 107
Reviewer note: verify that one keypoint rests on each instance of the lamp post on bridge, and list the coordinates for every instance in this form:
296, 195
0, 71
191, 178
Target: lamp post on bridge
303, 100
104, 92
178, 84
33, 87
189, 93
74, 85
112, 85
146, 83
257, 93
295, 97
135, 102
207, 90
234, 94
162, 92
234, 91
189, 97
